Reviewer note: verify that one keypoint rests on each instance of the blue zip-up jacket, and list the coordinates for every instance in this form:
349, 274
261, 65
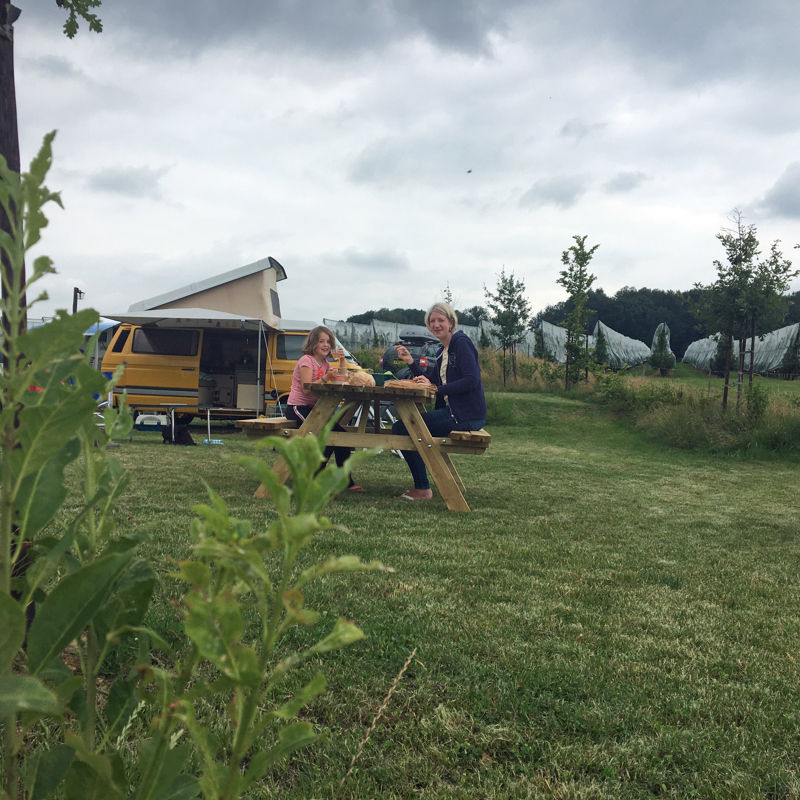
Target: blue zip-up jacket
463, 386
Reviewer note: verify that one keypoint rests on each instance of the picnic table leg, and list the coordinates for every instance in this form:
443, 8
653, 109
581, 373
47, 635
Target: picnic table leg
315, 422
434, 459
453, 472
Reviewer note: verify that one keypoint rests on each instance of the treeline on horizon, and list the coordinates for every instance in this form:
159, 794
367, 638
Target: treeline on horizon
633, 312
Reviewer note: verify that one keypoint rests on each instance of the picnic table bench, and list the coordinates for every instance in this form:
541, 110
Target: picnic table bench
435, 451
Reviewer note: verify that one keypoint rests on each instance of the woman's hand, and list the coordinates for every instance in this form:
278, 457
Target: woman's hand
422, 380
403, 354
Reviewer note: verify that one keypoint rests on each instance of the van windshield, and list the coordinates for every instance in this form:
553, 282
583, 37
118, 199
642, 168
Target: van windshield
166, 341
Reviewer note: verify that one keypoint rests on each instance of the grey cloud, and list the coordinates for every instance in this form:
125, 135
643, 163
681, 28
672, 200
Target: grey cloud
337, 28
129, 181
561, 190
783, 199
625, 182
382, 162
55, 67
578, 129
375, 260
690, 42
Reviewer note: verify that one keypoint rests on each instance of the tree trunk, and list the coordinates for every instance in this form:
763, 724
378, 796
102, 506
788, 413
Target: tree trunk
566, 373
586, 372
727, 372
752, 347
504, 366
740, 377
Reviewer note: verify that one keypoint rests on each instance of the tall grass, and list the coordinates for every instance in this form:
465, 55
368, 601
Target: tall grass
688, 418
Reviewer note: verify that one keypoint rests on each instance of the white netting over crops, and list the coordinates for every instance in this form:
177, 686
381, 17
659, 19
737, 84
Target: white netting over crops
662, 327
355, 335
621, 349
768, 353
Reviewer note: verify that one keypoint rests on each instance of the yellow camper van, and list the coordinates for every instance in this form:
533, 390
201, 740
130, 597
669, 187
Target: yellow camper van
218, 364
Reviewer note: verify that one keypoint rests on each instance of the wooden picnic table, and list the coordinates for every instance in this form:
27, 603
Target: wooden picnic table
409, 403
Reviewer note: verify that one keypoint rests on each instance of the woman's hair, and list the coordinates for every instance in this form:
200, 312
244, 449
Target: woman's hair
446, 310
313, 339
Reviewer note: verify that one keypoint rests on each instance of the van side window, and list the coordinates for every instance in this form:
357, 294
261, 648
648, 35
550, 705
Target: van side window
289, 346
119, 344
165, 342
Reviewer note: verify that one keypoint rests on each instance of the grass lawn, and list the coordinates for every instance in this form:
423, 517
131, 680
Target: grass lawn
613, 620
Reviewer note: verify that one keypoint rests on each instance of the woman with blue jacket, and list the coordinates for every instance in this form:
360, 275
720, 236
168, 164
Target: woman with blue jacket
460, 403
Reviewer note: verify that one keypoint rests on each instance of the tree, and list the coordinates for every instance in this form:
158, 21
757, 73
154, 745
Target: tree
600, 347
577, 280
509, 313
539, 347
472, 316
790, 365
661, 357
746, 299
9, 131
447, 295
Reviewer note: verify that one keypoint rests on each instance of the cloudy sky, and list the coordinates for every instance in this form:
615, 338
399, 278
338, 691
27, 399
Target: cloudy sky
381, 150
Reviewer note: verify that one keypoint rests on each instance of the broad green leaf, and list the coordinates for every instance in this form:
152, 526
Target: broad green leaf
290, 738
160, 766
63, 334
66, 689
339, 564
44, 430
122, 702
21, 693
311, 690
214, 626
195, 573
47, 770
184, 787
300, 529
83, 783
69, 607
279, 493
125, 543
343, 634
12, 630
129, 600
101, 765
42, 493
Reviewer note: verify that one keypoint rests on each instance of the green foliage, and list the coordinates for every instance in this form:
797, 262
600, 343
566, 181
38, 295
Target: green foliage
403, 316
509, 314
747, 297
472, 316
368, 358
661, 357
82, 9
601, 348
539, 348
577, 280
91, 588
757, 398
790, 364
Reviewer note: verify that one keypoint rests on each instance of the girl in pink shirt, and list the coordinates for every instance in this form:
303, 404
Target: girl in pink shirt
313, 367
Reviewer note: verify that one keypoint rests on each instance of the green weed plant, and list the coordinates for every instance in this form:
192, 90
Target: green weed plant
68, 576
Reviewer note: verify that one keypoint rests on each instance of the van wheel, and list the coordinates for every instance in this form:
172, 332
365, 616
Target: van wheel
183, 419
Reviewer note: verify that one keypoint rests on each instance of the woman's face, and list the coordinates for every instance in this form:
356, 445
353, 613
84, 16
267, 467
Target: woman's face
439, 325
323, 347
